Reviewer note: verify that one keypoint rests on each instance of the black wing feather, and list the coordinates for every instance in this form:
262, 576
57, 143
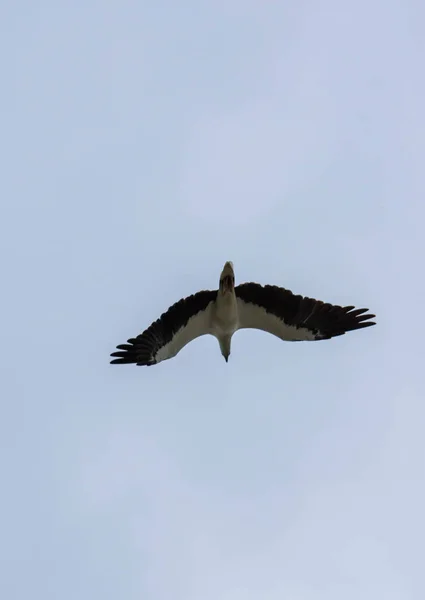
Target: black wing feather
323, 319
142, 349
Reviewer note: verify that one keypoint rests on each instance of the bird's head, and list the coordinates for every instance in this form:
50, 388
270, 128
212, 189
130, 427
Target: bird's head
227, 278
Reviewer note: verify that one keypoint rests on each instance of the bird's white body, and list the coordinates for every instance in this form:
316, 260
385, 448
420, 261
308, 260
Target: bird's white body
248, 306
224, 313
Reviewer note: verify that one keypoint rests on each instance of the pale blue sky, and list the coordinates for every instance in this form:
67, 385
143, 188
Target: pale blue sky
143, 145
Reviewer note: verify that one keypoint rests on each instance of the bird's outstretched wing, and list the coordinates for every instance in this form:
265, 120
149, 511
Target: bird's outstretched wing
183, 322
295, 318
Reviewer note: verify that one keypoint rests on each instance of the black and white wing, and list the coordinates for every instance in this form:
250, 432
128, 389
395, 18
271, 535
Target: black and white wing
183, 322
295, 318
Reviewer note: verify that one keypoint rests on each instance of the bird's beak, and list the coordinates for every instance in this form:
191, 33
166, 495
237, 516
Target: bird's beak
227, 279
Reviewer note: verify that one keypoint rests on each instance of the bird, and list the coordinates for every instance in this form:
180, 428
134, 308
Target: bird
222, 312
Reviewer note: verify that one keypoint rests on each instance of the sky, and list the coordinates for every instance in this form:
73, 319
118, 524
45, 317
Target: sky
144, 144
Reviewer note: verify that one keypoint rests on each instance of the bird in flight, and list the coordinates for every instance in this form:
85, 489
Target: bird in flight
224, 311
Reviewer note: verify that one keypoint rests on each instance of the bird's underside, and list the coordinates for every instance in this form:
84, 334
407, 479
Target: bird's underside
224, 311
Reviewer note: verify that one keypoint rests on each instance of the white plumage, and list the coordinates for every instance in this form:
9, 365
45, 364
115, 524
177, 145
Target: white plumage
247, 306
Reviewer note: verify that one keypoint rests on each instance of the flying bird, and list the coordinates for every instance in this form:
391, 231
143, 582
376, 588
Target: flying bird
224, 311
